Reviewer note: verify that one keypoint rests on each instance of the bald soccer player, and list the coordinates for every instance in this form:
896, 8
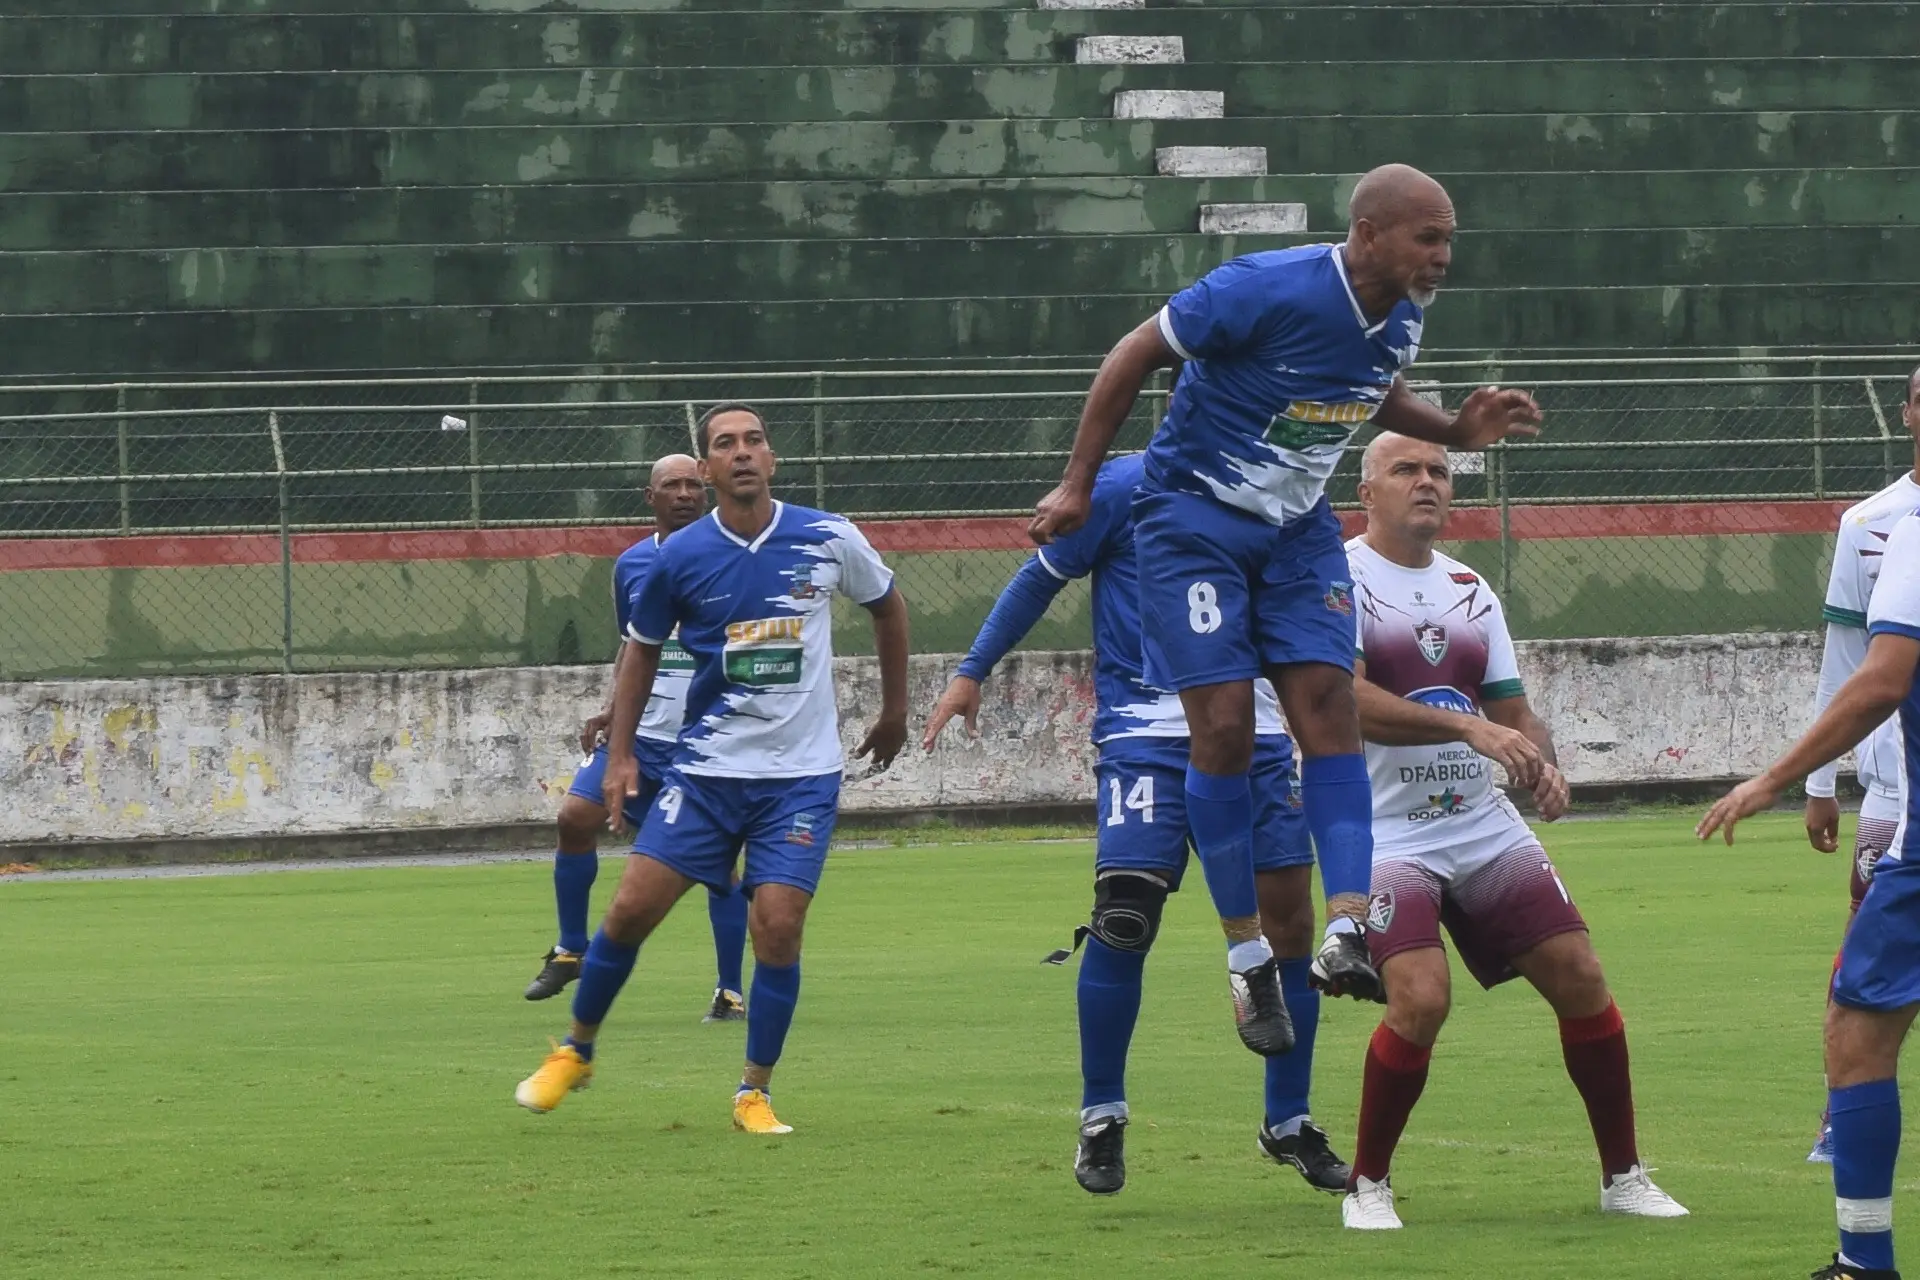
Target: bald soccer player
1284, 354
1440, 704
678, 498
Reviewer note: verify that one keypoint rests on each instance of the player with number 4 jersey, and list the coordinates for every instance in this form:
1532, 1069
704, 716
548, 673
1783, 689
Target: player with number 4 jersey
1441, 703
748, 590
1143, 835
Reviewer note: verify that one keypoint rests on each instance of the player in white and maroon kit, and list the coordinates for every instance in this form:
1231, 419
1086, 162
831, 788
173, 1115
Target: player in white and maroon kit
1449, 848
1858, 552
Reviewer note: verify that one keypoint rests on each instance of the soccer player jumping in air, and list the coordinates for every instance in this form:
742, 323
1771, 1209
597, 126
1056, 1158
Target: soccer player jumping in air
759, 763
1448, 847
1858, 553
1143, 834
1876, 990
1243, 575
678, 497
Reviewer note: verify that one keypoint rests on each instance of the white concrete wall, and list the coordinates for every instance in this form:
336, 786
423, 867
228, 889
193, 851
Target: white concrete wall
146, 759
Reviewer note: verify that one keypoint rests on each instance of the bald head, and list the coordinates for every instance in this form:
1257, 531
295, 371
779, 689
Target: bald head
1392, 193
676, 493
1406, 486
1399, 239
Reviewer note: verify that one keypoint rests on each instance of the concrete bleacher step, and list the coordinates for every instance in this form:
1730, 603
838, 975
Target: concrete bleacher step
821, 34
971, 327
1128, 50
1168, 104
1268, 218
1210, 162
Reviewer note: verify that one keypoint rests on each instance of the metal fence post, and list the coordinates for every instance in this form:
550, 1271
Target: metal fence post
1499, 460
819, 444
1819, 449
286, 546
473, 452
126, 490
1886, 436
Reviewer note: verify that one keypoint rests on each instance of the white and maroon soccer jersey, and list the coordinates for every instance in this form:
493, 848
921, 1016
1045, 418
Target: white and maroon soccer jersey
1437, 636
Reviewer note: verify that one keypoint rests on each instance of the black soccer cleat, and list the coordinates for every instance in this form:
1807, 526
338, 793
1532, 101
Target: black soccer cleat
1343, 967
1259, 1011
1309, 1152
1100, 1163
727, 1006
1847, 1271
554, 975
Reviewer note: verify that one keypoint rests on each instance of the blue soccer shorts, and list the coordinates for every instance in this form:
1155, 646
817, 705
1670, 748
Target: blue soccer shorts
654, 759
1224, 595
1880, 959
1143, 807
697, 825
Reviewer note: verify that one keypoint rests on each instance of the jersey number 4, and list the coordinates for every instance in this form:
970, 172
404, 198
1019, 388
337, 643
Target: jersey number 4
670, 804
1139, 799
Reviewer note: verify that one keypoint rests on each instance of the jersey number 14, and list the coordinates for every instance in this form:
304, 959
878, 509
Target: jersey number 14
1139, 799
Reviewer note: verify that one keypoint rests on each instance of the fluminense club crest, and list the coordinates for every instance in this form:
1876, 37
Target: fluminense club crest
1432, 639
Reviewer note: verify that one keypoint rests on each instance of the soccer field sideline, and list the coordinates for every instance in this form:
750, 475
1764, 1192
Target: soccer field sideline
312, 1074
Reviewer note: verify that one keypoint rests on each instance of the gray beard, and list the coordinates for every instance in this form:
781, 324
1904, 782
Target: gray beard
1423, 298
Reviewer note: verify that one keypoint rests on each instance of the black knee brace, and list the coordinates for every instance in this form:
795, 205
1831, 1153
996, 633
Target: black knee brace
1126, 909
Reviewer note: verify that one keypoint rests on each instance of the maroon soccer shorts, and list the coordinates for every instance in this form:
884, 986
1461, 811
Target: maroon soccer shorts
1503, 909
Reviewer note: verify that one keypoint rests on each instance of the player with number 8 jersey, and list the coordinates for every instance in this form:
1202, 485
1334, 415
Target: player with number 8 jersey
748, 590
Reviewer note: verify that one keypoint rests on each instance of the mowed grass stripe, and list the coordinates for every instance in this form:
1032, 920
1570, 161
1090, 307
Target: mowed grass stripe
311, 1074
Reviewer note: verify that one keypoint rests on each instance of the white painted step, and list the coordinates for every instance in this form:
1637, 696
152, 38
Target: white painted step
1129, 50
1169, 104
1252, 219
1211, 162
1093, 4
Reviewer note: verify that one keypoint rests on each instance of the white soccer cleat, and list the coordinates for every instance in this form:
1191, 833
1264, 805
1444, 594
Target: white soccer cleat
1634, 1193
1369, 1206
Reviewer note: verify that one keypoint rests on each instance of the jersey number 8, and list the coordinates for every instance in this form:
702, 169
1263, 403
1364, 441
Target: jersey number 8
1203, 608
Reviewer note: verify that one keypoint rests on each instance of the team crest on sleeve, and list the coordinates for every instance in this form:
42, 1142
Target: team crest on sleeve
1432, 639
1339, 599
1380, 911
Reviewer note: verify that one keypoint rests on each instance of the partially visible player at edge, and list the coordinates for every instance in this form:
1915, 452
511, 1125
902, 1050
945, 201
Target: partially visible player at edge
1876, 990
678, 497
1142, 835
1285, 353
1440, 700
759, 763
1858, 552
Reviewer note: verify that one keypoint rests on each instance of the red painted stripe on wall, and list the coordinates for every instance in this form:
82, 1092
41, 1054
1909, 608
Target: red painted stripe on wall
985, 533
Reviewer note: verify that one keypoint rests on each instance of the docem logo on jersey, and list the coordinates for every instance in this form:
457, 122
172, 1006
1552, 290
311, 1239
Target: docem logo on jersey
1432, 639
1445, 805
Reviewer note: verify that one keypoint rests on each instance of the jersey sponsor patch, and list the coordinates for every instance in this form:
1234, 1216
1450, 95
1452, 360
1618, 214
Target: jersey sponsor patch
1446, 804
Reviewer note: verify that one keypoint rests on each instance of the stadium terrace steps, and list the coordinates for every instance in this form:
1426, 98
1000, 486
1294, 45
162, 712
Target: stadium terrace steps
880, 269
371, 159
242, 42
655, 95
968, 329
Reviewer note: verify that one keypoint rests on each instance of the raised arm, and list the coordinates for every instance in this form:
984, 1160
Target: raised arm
1109, 401
890, 642
1490, 414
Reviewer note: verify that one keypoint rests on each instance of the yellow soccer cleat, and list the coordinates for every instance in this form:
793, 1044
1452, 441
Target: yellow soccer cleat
753, 1113
563, 1072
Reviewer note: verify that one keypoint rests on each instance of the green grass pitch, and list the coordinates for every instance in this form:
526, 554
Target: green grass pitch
311, 1074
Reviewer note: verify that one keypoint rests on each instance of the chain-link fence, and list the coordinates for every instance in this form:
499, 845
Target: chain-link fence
329, 525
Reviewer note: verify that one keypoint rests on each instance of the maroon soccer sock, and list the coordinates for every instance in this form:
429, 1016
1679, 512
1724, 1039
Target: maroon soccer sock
1395, 1076
1596, 1052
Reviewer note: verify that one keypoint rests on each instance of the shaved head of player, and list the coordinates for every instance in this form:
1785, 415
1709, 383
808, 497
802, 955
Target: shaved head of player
1441, 701
1399, 236
676, 492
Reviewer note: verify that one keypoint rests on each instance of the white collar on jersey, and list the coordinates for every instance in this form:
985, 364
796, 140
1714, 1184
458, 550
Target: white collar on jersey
1340, 267
759, 538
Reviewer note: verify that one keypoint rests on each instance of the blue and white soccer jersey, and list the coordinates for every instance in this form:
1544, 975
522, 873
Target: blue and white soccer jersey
1880, 960
759, 758
1141, 732
659, 728
1282, 366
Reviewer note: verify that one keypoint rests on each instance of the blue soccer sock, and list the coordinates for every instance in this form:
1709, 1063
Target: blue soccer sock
603, 972
1866, 1143
1290, 1076
776, 990
573, 877
1339, 804
1220, 817
728, 914
1109, 1002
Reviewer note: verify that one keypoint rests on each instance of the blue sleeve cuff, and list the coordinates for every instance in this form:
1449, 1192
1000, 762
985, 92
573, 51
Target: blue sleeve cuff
1021, 604
1884, 628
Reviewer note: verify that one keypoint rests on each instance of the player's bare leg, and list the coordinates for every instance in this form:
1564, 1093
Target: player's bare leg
575, 861
1419, 996
1593, 1042
1863, 1064
1220, 817
1325, 721
647, 892
776, 919
1288, 1134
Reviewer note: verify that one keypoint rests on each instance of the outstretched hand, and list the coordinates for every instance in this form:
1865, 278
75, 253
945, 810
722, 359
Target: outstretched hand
962, 698
1060, 512
1745, 800
1492, 414
883, 742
